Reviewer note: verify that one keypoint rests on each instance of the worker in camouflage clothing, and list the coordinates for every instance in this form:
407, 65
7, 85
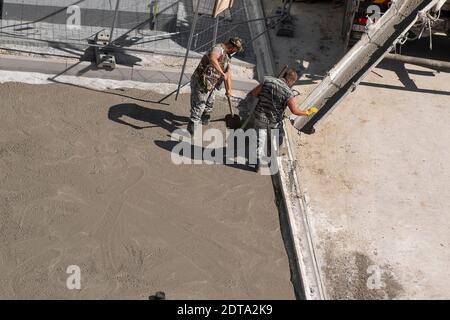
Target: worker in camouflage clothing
275, 95
214, 68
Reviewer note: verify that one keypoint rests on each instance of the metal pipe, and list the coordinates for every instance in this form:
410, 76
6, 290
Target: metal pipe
430, 63
290, 6
113, 26
188, 49
283, 12
216, 30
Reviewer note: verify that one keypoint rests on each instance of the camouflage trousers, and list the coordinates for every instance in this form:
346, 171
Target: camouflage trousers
202, 102
270, 138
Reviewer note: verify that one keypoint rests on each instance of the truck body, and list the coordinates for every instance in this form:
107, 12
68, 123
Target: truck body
359, 14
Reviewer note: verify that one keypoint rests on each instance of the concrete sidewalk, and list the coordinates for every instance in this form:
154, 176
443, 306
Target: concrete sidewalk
376, 176
72, 67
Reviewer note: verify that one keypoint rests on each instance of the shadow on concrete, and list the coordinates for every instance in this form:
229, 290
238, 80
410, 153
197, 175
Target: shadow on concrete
197, 153
386, 86
155, 117
68, 48
126, 113
122, 57
421, 48
108, 92
403, 75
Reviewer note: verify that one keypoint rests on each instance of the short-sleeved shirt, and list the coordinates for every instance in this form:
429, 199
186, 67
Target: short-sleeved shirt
273, 99
206, 74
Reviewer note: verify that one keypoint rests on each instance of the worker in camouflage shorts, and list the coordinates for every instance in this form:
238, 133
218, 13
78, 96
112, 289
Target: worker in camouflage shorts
214, 68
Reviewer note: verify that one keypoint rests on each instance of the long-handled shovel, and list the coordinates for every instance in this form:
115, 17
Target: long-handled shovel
232, 120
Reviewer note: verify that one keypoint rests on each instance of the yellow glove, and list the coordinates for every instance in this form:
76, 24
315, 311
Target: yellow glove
311, 111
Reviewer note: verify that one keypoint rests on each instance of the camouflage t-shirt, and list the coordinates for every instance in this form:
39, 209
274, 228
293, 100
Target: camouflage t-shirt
206, 75
273, 100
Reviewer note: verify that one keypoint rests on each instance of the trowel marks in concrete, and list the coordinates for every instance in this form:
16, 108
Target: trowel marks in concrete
86, 180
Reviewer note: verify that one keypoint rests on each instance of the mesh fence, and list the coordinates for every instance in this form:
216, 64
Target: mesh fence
157, 25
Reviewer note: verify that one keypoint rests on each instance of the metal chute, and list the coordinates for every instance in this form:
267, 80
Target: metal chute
365, 55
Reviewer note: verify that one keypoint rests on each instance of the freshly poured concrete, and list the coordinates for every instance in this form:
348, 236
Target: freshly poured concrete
86, 179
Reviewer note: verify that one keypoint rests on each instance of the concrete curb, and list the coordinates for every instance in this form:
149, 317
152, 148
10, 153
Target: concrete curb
296, 208
264, 60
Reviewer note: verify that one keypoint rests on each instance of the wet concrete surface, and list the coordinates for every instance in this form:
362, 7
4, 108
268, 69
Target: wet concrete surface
86, 179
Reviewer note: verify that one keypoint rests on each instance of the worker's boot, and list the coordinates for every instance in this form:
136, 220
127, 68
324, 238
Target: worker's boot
191, 127
257, 168
206, 119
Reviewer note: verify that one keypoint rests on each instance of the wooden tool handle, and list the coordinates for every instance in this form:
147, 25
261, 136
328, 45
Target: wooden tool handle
229, 105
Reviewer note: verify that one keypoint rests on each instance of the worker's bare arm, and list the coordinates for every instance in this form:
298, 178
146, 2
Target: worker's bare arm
256, 91
214, 59
294, 109
228, 83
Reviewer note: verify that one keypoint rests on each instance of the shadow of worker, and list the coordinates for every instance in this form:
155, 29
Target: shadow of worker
130, 113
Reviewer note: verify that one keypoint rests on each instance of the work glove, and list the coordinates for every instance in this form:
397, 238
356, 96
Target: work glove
311, 111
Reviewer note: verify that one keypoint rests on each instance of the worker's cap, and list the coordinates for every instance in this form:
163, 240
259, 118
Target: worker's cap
237, 43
